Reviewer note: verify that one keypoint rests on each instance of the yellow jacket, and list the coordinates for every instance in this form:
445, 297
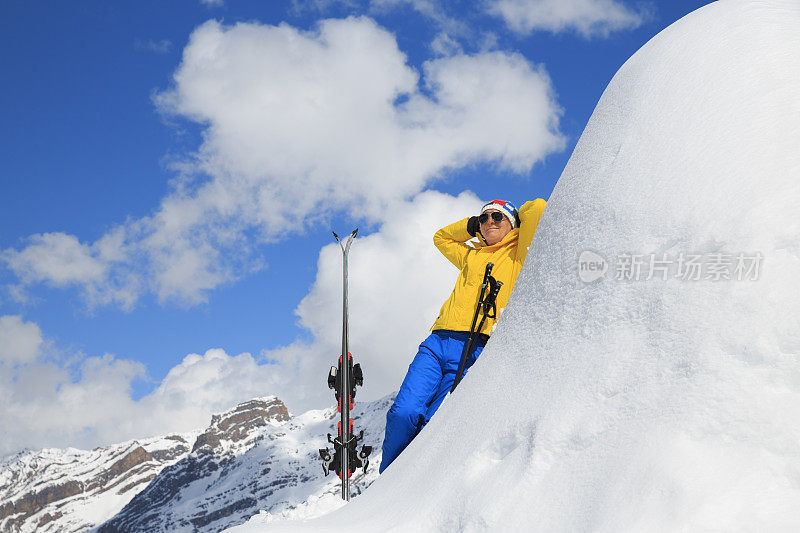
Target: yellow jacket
507, 255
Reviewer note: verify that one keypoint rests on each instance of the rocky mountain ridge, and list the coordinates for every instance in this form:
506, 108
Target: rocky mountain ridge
64, 490
254, 458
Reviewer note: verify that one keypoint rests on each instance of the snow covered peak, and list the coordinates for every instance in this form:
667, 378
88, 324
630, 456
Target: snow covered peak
274, 470
237, 424
637, 392
72, 490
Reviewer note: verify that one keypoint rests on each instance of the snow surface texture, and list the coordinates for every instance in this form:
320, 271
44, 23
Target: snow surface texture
649, 405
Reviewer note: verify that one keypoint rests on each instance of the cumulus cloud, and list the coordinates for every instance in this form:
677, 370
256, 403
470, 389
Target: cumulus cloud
58, 258
74, 400
212, 382
53, 398
299, 125
588, 18
101, 269
313, 116
20, 341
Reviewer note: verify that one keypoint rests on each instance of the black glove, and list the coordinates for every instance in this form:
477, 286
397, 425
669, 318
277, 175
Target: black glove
473, 226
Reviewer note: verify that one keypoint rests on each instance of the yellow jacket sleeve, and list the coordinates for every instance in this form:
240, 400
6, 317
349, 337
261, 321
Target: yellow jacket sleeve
451, 241
529, 215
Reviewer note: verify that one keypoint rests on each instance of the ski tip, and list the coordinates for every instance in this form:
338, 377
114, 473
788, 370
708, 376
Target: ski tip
336, 236
354, 232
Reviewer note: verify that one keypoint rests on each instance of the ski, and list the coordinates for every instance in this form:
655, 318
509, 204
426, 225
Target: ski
343, 379
486, 304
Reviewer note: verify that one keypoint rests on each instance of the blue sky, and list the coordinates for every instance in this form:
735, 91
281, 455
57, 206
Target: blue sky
97, 133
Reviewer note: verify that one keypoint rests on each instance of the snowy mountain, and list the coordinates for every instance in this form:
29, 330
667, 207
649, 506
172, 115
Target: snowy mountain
645, 375
253, 458
72, 490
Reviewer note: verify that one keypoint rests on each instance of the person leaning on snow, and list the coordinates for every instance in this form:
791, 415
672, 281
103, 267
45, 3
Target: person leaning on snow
506, 235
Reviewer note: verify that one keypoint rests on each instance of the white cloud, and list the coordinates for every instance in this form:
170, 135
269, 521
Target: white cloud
20, 341
298, 125
312, 117
212, 382
52, 398
101, 270
213, 3
81, 401
589, 18
57, 258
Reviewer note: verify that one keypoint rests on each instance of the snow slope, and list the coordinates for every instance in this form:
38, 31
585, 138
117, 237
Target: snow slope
640, 404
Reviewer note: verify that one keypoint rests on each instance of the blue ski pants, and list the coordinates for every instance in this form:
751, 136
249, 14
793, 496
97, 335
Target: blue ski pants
430, 377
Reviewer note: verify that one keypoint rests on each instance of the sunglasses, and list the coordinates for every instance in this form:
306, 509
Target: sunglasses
497, 216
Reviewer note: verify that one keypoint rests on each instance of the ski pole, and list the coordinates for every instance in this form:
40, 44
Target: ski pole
468, 346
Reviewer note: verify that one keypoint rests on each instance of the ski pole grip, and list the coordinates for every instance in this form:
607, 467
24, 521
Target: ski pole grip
489, 267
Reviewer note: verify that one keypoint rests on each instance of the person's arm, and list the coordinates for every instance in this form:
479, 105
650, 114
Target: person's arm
529, 215
451, 241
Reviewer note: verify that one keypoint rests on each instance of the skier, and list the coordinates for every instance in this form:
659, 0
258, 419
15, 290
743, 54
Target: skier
505, 236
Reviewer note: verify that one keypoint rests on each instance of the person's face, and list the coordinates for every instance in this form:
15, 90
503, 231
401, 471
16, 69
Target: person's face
493, 231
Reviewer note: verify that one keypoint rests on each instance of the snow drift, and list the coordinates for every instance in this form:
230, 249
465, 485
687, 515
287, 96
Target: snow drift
661, 404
